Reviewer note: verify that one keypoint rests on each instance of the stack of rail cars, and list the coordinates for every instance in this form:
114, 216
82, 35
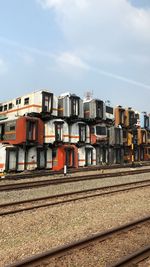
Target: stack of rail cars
40, 130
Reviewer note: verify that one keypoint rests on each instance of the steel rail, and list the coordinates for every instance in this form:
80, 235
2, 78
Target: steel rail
64, 201
32, 184
62, 250
37, 173
133, 258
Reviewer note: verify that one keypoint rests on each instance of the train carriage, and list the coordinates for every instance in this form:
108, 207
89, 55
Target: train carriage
35, 103
94, 109
38, 157
22, 130
55, 131
115, 136
99, 133
79, 133
87, 156
70, 106
144, 120
11, 158
64, 155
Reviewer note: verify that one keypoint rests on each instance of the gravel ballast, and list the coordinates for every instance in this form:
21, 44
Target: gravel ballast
27, 233
10, 196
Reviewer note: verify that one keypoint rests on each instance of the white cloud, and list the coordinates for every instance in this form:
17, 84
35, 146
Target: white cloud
3, 67
103, 31
70, 59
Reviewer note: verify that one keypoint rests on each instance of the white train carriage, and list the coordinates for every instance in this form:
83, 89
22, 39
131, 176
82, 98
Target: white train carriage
86, 156
94, 109
12, 158
70, 105
38, 158
99, 133
33, 103
110, 113
79, 133
56, 130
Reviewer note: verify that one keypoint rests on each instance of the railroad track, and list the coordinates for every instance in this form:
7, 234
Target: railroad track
40, 173
33, 184
134, 258
64, 251
59, 199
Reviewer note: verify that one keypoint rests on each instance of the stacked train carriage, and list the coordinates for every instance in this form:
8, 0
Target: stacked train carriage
40, 130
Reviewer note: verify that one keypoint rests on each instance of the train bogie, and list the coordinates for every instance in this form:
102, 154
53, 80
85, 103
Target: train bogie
70, 106
94, 109
56, 130
86, 155
79, 133
24, 130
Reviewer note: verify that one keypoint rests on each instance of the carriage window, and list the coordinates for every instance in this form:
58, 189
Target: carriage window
121, 116
26, 101
74, 106
1, 108
99, 109
18, 101
100, 130
5, 107
12, 128
10, 105
82, 133
47, 102
109, 110
32, 130
58, 132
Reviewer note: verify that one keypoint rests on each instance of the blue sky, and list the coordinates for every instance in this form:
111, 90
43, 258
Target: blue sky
78, 46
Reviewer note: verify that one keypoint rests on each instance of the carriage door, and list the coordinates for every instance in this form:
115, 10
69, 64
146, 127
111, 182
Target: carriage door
88, 156
32, 130
98, 155
69, 157
142, 153
47, 102
11, 159
41, 158
1, 132
118, 156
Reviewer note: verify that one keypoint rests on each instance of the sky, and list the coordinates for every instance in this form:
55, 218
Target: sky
101, 46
